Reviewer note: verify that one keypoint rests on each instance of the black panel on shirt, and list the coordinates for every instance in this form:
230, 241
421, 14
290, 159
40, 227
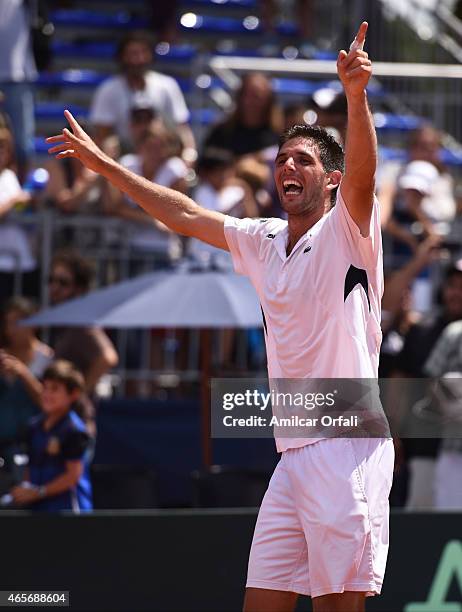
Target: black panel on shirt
356, 276
264, 319
75, 445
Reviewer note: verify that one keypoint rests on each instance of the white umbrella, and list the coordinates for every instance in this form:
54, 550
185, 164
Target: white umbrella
191, 299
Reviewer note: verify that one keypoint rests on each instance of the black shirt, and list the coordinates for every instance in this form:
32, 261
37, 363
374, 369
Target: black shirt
239, 139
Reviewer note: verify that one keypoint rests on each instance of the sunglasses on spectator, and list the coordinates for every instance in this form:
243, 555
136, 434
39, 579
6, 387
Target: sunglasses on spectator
142, 115
62, 281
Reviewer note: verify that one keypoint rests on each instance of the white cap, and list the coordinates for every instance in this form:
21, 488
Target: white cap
419, 175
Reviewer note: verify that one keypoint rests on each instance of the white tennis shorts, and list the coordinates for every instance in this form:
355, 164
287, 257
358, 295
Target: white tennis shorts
323, 524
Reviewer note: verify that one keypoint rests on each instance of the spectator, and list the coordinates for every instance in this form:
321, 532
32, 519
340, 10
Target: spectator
23, 358
113, 99
423, 204
419, 342
89, 349
301, 14
219, 189
141, 116
17, 74
255, 123
23, 354
398, 317
157, 158
397, 314
446, 359
256, 174
57, 445
72, 188
422, 191
16, 257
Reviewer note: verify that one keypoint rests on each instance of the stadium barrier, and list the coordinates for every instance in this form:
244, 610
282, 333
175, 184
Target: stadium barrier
196, 560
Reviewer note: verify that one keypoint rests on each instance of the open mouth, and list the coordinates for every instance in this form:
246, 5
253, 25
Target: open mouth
292, 187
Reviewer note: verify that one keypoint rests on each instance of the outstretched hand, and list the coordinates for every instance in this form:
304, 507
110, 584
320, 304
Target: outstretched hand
76, 144
354, 67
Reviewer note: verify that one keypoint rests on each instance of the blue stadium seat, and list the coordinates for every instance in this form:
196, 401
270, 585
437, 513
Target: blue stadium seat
91, 78
448, 157
324, 55
73, 18
40, 146
95, 49
387, 154
287, 29
175, 53
71, 78
451, 158
185, 84
55, 110
107, 50
205, 116
219, 25
248, 4
401, 123
299, 87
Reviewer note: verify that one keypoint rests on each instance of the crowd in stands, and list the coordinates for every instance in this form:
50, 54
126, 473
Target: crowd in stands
48, 391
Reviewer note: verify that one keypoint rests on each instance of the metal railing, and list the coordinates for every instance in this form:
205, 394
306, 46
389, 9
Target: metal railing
433, 91
106, 242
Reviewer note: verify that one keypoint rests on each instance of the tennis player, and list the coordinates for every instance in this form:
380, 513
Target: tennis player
322, 529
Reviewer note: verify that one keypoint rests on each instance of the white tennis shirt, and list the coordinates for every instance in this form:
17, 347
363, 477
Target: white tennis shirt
321, 304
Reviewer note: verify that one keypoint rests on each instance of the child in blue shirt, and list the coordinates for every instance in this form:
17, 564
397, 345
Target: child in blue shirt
58, 472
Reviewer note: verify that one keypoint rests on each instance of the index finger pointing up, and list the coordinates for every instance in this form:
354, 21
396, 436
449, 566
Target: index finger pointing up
76, 128
360, 37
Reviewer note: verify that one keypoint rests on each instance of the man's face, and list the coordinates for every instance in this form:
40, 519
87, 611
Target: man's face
452, 296
136, 58
61, 284
300, 177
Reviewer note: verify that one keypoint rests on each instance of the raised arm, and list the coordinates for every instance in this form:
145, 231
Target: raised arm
354, 70
174, 209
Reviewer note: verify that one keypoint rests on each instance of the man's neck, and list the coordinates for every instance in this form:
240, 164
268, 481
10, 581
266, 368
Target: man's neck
299, 225
135, 81
51, 420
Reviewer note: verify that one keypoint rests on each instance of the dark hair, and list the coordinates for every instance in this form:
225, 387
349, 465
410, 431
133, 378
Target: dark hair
330, 152
163, 129
453, 269
271, 114
213, 158
82, 270
133, 37
65, 372
24, 306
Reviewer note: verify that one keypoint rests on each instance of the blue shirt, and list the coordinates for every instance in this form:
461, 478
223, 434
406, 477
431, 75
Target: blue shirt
49, 451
